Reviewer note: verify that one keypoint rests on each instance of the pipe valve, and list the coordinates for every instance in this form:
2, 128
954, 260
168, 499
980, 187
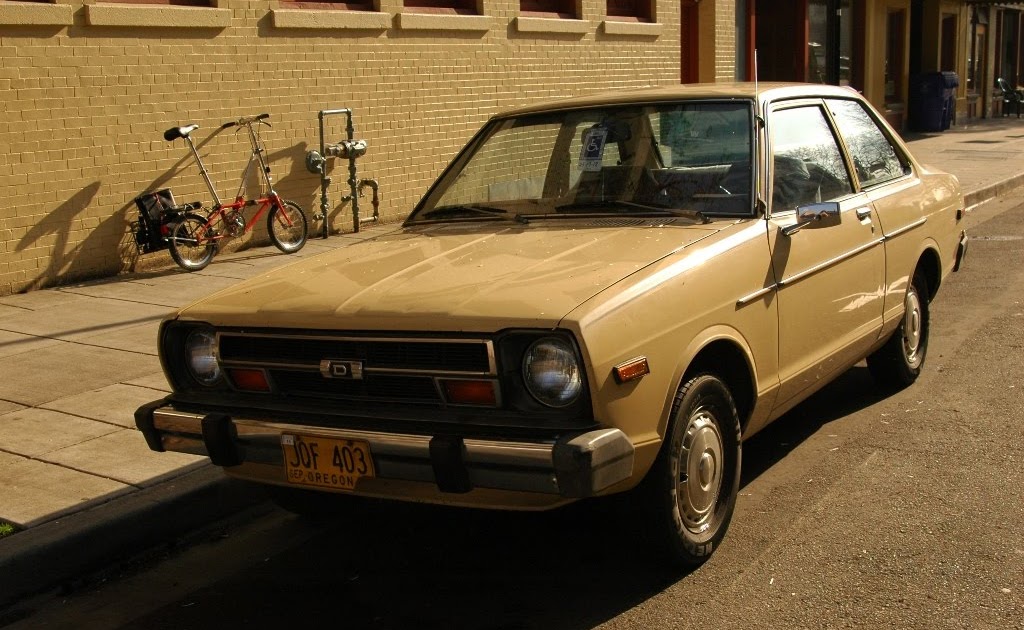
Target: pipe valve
346, 149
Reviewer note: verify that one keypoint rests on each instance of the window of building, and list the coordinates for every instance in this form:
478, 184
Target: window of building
548, 8
895, 45
355, 5
183, 3
948, 45
457, 7
631, 10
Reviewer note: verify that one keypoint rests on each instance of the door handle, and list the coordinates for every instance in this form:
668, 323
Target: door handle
863, 213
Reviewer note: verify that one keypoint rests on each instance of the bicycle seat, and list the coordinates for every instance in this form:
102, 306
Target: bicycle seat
179, 132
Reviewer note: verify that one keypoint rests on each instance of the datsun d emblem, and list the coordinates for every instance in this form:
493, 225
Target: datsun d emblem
340, 368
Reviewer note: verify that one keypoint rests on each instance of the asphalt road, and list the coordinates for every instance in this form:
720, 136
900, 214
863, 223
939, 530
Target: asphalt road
859, 509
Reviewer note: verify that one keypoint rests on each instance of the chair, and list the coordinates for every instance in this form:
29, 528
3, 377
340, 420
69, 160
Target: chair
1010, 97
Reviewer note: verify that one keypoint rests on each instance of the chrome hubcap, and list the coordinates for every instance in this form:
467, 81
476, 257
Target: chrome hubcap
912, 329
700, 471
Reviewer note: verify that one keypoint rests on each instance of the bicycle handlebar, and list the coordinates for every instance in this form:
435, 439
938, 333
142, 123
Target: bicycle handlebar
246, 120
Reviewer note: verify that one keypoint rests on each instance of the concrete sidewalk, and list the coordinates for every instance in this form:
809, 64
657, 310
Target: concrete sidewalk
76, 478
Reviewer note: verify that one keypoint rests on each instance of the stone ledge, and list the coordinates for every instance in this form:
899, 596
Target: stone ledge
35, 14
156, 15
437, 22
641, 29
551, 25
312, 19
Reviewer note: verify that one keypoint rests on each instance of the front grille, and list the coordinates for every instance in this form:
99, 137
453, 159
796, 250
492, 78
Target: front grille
400, 354
392, 369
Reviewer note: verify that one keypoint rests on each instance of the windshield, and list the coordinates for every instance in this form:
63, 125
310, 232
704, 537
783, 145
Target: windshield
679, 159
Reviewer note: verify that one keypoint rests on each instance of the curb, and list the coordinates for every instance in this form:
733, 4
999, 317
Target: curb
987, 193
54, 553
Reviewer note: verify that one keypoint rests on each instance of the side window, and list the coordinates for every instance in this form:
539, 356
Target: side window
807, 165
874, 157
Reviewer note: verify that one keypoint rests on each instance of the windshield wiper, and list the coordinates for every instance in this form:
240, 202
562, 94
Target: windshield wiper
591, 206
447, 211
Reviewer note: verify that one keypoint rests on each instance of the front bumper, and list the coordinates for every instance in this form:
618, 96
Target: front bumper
576, 465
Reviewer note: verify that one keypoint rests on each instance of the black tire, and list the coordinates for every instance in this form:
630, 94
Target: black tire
690, 491
189, 246
285, 237
898, 363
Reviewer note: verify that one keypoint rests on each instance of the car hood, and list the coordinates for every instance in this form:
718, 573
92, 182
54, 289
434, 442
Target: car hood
450, 277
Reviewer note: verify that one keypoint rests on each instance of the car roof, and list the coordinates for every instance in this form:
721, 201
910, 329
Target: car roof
688, 91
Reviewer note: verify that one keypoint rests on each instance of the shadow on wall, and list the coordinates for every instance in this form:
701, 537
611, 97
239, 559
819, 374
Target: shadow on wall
109, 247
65, 261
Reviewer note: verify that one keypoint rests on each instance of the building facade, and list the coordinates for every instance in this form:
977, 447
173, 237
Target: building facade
88, 88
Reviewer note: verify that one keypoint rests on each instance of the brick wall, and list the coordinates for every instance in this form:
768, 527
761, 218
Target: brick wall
88, 90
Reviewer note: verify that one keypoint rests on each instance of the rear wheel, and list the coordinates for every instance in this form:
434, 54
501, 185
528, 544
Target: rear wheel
287, 227
898, 363
691, 489
191, 245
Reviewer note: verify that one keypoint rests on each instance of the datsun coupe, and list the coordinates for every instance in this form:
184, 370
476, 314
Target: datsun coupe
599, 295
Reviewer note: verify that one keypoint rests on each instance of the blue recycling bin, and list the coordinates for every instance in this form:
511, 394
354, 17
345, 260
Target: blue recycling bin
928, 102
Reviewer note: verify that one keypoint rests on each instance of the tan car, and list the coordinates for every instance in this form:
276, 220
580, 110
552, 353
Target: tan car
598, 295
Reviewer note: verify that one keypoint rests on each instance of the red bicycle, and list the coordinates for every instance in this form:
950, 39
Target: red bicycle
195, 238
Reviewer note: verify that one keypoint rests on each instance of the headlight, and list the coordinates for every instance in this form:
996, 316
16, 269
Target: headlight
552, 372
201, 356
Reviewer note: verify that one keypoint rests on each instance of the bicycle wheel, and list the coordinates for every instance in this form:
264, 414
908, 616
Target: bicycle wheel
190, 246
287, 238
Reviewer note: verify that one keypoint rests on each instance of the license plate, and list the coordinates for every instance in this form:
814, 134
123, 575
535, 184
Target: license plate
326, 462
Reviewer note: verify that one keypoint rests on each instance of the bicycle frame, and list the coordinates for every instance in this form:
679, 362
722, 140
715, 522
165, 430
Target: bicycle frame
223, 212
255, 155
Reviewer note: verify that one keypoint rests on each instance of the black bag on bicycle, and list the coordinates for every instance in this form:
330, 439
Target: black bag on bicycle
157, 215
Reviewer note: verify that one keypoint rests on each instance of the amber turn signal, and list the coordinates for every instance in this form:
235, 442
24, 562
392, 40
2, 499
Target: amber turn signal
631, 370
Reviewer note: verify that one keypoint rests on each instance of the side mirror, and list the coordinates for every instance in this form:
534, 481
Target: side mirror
811, 212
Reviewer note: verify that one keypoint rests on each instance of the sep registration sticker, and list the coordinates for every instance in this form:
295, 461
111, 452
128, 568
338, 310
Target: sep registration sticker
594, 140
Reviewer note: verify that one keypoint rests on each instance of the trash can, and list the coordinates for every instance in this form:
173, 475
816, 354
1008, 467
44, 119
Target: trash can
927, 102
951, 81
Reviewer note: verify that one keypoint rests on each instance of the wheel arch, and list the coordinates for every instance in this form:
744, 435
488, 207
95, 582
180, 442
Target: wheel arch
929, 263
729, 359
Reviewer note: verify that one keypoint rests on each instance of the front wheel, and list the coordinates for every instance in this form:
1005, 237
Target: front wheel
191, 245
287, 227
898, 363
690, 491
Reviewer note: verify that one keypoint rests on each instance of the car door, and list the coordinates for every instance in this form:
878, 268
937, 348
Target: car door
829, 273
887, 179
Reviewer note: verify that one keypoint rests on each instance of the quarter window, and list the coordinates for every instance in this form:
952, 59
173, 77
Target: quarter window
808, 165
874, 157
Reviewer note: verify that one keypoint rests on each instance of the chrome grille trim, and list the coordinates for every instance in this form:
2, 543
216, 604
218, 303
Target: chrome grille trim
405, 369
313, 362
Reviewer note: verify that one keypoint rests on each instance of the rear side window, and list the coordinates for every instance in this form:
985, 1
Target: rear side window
874, 156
